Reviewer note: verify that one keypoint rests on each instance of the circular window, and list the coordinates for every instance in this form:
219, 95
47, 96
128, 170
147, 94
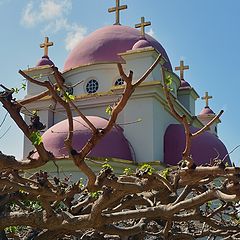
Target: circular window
119, 82
92, 86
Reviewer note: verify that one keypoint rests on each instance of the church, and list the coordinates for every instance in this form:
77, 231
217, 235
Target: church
146, 131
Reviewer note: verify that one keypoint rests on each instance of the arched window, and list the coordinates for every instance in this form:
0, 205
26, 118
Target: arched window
92, 86
119, 82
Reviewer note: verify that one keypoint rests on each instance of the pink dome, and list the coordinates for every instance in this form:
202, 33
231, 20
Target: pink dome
207, 111
105, 44
205, 147
142, 43
184, 85
114, 144
45, 60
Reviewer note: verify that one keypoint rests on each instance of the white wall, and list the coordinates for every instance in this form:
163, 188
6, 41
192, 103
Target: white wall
161, 120
187, 101
140, 134
105, 74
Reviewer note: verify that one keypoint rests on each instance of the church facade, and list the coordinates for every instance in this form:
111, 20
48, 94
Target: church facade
146, 130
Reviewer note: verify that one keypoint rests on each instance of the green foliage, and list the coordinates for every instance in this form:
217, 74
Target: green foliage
23, 87
109, 110
35, 112
95, 195
127, 171
15, 229
33, 205
80, 183
209, 204
11, 229
107, 166
165, 172
22, 191
60, 207
169, 81
36, 138
236, 219
67, 97
15, 90
147, 168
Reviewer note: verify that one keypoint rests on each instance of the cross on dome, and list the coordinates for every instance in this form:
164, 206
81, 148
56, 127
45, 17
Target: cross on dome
206, 98
46, 45
181, 68
117, 9
142, 25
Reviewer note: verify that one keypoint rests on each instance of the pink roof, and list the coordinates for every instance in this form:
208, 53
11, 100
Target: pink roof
184, 85
207, 111
142, 43
106, 43
205, 147
45, 60
114, 144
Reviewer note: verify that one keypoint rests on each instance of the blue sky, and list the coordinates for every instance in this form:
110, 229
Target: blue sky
205, 34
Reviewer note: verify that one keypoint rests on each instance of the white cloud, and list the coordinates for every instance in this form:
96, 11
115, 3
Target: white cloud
74, 36
74, 32
52, 14
55, 26
151, 32
45, 10
28, 18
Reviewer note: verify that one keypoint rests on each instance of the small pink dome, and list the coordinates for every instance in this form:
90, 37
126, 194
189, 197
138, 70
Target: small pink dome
207, 111
184, 85
205, 147
114, 144
142, 43
45, 60
105, 44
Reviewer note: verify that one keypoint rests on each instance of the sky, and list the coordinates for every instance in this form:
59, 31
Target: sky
203, 33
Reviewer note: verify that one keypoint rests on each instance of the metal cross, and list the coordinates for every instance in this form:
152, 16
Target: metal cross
206, 98
142, 25
46, 45
117, 9
181, 68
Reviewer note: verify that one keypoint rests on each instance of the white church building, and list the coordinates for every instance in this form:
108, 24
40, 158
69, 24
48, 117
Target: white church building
146, 130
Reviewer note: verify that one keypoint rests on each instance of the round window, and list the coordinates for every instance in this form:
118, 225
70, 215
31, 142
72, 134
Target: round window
92, 86
119, 82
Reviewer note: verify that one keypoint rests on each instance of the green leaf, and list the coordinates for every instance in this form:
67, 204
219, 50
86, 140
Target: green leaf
169, 82
147, 168
209, 204
35, 112
36, 138
107, 166
81, 183
11, 229
127, 171
109, 110
165, 173
22, 191
95, 195
24, 86
16, 90
68, 97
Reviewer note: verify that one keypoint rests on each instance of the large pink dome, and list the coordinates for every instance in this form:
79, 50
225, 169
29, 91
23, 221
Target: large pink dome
205, 147
104, 45
114, 144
